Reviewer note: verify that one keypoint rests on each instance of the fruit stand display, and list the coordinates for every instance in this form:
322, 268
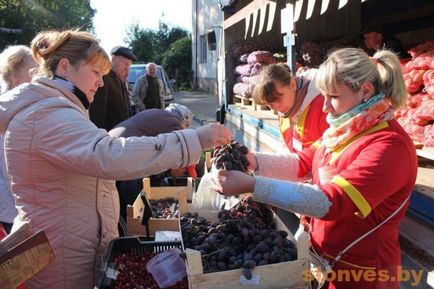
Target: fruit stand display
164, 219
245, 246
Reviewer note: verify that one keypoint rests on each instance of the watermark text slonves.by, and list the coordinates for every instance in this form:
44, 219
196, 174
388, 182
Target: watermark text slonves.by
370, 275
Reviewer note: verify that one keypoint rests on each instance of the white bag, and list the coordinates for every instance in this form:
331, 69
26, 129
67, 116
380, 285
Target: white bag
207, 198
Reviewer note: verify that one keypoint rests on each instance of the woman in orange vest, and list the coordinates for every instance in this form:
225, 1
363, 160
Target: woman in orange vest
298, 102
363, 171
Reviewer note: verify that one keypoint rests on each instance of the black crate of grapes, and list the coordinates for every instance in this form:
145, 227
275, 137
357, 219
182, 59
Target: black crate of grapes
125, 263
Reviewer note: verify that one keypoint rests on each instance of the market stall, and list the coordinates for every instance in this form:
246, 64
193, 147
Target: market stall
339, 23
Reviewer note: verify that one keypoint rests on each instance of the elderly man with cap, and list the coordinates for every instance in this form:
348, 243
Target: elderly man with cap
376, 39
112, 105
150, 122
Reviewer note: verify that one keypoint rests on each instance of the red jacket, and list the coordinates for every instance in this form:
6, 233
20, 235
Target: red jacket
375, 173
308, 129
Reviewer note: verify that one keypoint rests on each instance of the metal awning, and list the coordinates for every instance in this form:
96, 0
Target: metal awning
256, 12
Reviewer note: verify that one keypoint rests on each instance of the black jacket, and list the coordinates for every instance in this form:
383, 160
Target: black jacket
111, 103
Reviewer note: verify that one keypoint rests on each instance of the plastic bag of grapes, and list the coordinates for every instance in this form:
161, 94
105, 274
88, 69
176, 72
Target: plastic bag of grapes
207, 198
228, 157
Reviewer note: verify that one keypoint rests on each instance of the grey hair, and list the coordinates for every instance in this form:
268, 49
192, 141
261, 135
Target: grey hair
151, 63
13, 58
352, 67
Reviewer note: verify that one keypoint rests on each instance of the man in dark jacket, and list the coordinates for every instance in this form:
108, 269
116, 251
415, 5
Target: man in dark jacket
376, 39
112, 103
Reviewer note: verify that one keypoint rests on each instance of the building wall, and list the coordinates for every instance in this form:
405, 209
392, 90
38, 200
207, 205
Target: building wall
206, 16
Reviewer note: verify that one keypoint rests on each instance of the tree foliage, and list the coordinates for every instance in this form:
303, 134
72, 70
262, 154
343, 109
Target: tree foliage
170, 47
177, 61
142, 42
32, 16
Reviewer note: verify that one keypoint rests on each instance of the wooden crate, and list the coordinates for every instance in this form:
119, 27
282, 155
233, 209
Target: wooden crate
22, 256
134, 212
274, 276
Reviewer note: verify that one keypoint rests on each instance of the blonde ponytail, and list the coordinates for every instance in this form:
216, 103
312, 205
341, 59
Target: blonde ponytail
392, 79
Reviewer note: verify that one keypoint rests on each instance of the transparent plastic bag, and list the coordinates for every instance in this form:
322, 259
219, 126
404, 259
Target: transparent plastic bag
207, 198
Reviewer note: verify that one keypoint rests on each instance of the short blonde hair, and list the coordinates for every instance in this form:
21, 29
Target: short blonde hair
353, 67
13, 58
265, 90
49, 47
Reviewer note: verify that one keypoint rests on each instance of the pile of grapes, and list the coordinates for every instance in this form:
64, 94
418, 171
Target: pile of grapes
231, 157
133, 273
167, 208
244, 237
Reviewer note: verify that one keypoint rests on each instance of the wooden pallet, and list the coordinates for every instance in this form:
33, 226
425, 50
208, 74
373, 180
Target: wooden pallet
244, 101
261, 107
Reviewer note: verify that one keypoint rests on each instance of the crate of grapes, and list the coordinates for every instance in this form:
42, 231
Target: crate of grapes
247, 246
125, 263
167, 203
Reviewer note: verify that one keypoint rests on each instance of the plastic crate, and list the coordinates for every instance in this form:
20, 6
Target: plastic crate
135, 245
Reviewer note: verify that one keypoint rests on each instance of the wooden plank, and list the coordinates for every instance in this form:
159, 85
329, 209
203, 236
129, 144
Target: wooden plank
244, 101
426, 152
12, 240
273, 276
259, 107
417, 145
25, 260
425, 178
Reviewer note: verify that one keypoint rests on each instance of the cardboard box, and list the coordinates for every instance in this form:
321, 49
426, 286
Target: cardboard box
22, 255
273, 276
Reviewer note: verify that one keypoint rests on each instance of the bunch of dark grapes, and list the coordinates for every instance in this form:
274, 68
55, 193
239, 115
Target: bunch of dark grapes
231, 157
244, 237
165, 208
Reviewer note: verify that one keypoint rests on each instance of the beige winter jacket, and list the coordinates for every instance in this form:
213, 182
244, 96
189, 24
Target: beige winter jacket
61, 168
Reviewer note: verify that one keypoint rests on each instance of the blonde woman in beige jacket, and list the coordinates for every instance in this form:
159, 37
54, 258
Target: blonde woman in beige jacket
61, 165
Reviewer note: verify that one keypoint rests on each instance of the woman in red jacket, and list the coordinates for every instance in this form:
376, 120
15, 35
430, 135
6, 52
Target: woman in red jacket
298, 102
363, 171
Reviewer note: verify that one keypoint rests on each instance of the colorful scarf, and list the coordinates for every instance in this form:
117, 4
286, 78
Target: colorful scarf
300, 94
358, 119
